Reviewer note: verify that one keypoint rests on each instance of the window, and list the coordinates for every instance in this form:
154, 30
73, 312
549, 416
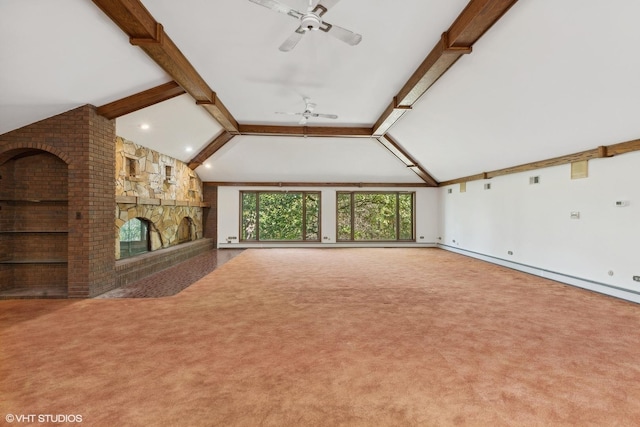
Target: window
371, 216
134, 237
279, 216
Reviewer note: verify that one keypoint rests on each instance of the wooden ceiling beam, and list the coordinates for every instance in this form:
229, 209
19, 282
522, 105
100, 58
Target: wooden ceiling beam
312, 184
217, 143
140, 100
326, 131
476, 18
145, 32
595, 153
392, 145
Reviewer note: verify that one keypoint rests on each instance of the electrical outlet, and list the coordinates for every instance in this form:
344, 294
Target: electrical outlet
636, 278
510, 252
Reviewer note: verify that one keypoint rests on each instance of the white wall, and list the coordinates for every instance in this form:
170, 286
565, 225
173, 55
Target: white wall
597, 251
427, 212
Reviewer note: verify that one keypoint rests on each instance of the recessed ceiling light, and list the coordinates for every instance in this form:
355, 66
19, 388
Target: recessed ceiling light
207, 165
144, 126
188, 149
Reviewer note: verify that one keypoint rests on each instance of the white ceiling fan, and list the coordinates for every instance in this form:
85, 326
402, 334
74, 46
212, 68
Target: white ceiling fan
310, 21
308, 112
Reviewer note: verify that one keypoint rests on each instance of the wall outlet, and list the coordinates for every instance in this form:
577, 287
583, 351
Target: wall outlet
636, 278
510, 252
622, 203
575, 215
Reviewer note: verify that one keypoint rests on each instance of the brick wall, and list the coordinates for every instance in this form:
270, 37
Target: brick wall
85, 143
210, 215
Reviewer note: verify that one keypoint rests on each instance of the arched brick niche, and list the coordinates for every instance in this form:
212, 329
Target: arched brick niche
33, 224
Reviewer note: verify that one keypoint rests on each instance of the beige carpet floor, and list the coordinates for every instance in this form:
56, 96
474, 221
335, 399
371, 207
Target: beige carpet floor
331, 337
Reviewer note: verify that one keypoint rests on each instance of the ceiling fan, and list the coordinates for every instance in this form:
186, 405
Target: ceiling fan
310, 21
308, 112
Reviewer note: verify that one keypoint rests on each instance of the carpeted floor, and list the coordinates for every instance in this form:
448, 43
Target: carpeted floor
331, 337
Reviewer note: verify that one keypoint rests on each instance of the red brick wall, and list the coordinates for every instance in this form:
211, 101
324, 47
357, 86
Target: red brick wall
85, 142
210, 215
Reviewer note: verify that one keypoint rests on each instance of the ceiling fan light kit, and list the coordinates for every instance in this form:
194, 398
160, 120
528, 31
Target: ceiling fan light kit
310, 21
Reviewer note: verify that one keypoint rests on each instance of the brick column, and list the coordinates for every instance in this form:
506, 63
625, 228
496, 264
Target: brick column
85, 141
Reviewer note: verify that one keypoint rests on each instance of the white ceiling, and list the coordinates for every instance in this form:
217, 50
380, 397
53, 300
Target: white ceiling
550, 78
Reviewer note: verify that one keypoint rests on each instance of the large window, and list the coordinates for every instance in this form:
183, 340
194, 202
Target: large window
134, 237
371, 216
280, 216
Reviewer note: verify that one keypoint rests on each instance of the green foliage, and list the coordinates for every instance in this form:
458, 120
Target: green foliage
280, 216
375, 216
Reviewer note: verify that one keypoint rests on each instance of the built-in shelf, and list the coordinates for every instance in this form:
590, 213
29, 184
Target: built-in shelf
31, 201
33, 232
34, 261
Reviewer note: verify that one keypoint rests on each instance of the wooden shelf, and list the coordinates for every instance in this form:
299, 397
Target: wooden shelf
33, 201
33, 232
34, 261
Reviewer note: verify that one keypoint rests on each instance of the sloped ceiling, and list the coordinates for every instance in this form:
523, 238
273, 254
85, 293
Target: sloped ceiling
550, 78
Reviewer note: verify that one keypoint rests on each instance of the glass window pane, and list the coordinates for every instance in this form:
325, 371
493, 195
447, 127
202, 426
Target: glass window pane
249, 217
375, 216
134, 238
312, 206
406, 216
280, 216
343, 219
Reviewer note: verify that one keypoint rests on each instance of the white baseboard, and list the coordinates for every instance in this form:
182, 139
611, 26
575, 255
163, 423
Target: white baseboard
591, 285
327, 245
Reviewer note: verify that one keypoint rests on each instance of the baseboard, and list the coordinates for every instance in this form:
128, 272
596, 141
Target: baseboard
326, 245
602, 288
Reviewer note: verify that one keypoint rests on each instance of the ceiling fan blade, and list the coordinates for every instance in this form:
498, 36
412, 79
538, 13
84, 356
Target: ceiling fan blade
289, 114
343, 34
324, 5
303, 121
278, 7
325, 116
292, 41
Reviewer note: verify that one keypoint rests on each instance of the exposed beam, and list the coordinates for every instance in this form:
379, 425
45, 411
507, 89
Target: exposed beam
140, 100
313, 184
217, 143
398, 151
391, 115
595, 153
305, 131
145, 32
476, 18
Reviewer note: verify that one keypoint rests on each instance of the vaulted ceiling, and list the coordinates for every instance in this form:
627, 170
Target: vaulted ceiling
546, 79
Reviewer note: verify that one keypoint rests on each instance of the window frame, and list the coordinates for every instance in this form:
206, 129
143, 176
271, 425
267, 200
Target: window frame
352, 195
303, 194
